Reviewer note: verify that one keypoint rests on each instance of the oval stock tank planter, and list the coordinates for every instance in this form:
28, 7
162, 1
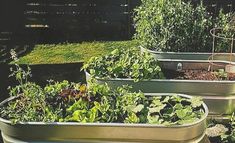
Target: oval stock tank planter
218, 95
189, 55
103, 132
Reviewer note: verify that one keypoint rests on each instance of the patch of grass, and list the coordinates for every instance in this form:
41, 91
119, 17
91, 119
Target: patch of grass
71, 52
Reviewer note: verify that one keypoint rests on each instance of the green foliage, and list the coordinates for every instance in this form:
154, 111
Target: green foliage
128, 63
174, 25
174, 110
81, 111
132, 106
221, 74
226, 32
99, 103
122, 106
29, 104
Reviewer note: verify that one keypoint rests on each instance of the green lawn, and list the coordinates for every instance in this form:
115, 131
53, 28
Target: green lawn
71, 52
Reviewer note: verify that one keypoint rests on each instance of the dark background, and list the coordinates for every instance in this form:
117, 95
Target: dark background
53, 21
24, 23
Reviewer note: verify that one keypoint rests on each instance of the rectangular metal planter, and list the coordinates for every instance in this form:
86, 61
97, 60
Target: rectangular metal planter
189, 55
218, 95
103, 132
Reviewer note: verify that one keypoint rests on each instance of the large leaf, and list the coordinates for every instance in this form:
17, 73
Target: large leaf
157, 109
153, 119
138, 108
182, 113
196, 101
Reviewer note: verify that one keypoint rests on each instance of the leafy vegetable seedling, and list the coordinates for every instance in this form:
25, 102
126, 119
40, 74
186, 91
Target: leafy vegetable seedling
129, 63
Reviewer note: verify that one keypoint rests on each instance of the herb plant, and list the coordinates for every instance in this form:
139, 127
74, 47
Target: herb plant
124, 64
29, 103
176, 26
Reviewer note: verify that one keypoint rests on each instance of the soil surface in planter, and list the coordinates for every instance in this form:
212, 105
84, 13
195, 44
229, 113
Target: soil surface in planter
197, 75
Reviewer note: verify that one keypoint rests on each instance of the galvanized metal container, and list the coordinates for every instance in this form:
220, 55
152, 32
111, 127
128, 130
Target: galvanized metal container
218, 95
190, 55
104, 132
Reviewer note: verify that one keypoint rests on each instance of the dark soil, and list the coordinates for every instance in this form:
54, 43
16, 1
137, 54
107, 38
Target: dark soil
198, 75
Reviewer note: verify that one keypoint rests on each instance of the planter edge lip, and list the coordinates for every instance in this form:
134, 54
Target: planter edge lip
164, 80
195, 61
202, 119
179, 53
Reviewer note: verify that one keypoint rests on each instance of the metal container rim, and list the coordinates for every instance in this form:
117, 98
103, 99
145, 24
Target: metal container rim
112, 124
180, 53
165, 80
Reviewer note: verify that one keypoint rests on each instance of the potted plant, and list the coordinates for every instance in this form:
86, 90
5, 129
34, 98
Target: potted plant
71, 112
174, 29
143, 72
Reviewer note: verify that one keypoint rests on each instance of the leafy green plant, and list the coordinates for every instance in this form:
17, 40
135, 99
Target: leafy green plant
174, 110
122, 106
129, 63
61, 95
177, 26
221, 74
133, 106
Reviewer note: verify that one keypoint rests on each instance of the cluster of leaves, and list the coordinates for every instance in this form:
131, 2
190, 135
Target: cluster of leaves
61, 95
221, 74
174, 110
225, 33
129, 63
69, 102
177, 26
122, 106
